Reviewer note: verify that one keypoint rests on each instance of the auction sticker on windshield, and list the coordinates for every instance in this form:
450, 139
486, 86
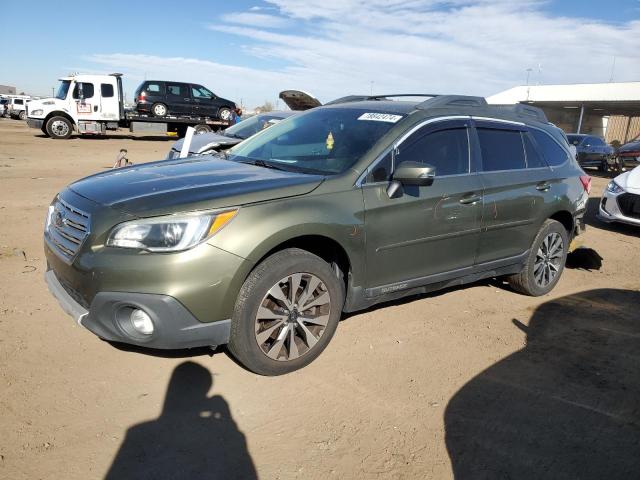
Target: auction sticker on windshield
380, 117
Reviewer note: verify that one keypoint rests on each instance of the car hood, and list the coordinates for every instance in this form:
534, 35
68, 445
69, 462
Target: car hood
630, 181
192, 184
630, 147
205, 141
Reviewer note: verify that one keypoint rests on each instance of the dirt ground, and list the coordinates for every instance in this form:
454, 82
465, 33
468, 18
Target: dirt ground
474, 382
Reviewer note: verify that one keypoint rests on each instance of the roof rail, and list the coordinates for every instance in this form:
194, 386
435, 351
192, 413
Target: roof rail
452, 101
363, 98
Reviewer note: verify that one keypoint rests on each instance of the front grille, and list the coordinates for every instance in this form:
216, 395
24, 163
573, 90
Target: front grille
67, 229
629, 205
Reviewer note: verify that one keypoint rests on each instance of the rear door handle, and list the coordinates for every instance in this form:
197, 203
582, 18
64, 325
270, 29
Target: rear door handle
470, 199
543, 186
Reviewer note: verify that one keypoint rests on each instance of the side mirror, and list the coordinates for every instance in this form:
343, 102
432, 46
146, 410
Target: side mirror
410, 173
414, 173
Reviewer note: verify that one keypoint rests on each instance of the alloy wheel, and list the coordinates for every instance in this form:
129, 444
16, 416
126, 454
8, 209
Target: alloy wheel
548, 259
60, 128
292, 316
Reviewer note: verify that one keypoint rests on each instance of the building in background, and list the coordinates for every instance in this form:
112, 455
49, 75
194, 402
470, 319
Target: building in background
7, 90
609, 110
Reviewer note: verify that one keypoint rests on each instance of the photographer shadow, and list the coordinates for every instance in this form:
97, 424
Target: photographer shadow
195, 437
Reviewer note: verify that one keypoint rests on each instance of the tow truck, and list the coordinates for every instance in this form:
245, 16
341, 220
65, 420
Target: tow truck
94, 104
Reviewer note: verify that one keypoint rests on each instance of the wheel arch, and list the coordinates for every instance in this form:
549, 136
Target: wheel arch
566, 219
59, 113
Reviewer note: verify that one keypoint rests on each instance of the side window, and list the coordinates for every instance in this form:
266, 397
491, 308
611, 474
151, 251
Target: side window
106, 90
501, 149
87, 90
553, 153
199, 92
534, 159
153, 87
176, 90
19, 101
381, 172
446, 150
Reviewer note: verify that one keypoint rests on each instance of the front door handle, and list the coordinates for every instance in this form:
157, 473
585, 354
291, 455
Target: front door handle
543, 186
470, 199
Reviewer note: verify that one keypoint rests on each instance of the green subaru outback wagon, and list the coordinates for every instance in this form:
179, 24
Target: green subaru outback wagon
356, 202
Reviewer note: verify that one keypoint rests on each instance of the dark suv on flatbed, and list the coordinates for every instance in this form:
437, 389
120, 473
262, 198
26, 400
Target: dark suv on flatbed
161, 98
360, 201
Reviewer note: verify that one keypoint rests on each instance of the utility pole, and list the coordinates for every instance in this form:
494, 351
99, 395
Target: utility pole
528, 74
613, 68
371, 89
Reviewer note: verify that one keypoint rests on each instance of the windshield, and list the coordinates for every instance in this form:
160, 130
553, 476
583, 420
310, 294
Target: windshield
63, 89
575, 139
322, 140
251, 126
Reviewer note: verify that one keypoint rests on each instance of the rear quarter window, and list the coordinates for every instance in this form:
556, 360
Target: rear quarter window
153, 88
553, 153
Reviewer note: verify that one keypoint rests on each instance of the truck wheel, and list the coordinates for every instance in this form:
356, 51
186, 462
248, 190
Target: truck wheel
202, 128
22, 115
286, 313
545, 261
59, 128
225, 114
159, 110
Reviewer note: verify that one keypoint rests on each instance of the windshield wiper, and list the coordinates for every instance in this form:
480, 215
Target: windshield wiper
262, 163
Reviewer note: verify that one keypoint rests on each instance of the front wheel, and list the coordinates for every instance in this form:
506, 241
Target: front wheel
545, 261
202, 128
225, 114
286, 313
59, 128
22, 115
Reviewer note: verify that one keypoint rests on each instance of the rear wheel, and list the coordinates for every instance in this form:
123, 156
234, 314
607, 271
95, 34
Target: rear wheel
22, 115
545, 261
159, 110
59, 128
286, 313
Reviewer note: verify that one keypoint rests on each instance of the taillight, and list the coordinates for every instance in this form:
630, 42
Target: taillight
586, 183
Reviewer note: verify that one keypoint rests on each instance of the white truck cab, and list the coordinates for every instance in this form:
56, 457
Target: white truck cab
86, 103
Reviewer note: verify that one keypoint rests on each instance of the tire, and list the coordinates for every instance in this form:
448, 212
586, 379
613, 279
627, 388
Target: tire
22, 115
263, 345
225, 114
59, 128
547, 256
202, 128
603, 167
159, 110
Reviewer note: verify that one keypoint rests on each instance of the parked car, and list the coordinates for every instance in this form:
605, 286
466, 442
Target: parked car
620, 200
17, 108
628, 155
207, 143
263, 246
592, 151
160, 98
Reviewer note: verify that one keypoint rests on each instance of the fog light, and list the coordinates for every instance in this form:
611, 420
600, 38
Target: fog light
141, 321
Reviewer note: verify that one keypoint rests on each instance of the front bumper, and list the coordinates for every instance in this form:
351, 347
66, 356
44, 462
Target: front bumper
35, 123
609, 210
174, 326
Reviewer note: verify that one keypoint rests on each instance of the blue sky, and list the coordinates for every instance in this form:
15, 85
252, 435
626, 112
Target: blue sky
249, 50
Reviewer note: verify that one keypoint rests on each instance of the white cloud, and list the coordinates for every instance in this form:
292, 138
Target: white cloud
459, 46
261, 20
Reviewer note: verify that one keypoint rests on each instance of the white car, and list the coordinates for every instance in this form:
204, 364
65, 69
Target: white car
621, 199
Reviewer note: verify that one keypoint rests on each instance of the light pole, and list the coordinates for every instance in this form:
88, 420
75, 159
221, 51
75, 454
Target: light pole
371, 89
528, 73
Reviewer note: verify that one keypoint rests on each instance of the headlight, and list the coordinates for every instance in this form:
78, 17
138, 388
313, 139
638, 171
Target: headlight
36, 112
168, 234
613, 187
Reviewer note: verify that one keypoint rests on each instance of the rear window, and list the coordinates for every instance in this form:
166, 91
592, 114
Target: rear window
553, 153
501, 149
575, 139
